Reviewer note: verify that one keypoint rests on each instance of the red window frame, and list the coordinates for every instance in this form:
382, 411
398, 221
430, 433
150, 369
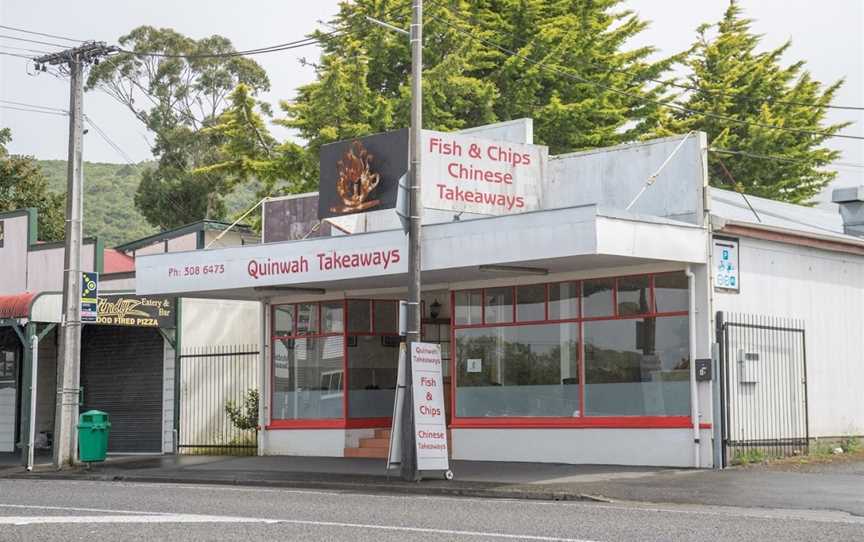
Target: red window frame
562, 422
327, 423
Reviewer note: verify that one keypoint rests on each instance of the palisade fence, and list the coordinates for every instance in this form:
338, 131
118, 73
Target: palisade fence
763, 386
210, 378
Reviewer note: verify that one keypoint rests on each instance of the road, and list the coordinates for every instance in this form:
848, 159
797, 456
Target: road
48, 510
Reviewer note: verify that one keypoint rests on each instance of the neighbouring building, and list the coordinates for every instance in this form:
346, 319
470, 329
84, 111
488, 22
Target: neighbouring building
130, 358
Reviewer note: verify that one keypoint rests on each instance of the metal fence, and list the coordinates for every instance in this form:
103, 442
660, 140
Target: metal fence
763, 386
212, 378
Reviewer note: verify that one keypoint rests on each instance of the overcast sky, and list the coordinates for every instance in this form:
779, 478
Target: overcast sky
827, 35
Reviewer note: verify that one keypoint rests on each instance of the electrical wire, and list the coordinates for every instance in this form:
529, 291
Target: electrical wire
780, 158
560, 71
110, 142
44, 35
4, 36
16, 55
23, 104
24, 49
271, 49
693, 88
27, 110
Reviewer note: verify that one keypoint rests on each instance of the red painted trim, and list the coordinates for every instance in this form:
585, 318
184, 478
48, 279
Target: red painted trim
705, 425
369, 423
607, 422
453, 353
336, 423
345, 358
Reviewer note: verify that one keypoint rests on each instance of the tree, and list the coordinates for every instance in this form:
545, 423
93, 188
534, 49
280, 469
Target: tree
734, 80
177, 86
362, 80
22, 185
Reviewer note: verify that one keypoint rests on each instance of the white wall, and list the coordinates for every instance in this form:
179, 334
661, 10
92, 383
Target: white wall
211, 322
168, 399
826, 291
649, 447
13, 255
45, 267
312, 442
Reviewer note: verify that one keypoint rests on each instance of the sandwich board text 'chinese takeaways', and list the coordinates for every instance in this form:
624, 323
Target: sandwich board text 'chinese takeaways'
430, 426
463, 173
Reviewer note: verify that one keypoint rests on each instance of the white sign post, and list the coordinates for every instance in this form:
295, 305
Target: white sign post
394, 454
462, 173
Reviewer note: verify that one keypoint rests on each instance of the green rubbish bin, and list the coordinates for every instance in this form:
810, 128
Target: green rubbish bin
93, 429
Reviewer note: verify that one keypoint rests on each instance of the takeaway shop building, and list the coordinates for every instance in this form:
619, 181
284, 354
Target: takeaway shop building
625, 313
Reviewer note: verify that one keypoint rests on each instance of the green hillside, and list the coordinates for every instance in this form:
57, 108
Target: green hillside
109, 200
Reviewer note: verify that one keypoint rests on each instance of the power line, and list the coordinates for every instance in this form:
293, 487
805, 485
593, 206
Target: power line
32, 41
24, 49
27, 110
271, 49
16, 55
696, 89
44, 35
780, 158
109, 141
560, 71
23, 104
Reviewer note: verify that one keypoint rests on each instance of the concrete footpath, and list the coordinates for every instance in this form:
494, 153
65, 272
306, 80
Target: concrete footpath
837, 488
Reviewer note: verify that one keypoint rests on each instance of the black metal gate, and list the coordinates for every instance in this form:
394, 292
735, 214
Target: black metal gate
763, 386
211, 379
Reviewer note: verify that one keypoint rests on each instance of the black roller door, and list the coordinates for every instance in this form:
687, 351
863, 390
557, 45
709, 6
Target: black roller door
121, 372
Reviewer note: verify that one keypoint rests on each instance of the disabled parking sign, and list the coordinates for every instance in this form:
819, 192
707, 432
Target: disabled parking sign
726, 270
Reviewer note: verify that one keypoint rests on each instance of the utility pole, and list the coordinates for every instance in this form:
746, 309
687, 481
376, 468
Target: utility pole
69, 354
408, 448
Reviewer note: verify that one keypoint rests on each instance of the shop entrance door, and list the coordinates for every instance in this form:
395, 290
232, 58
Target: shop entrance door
8, 398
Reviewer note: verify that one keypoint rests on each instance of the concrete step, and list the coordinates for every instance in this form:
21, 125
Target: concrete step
366, 452
374, 443
382, 433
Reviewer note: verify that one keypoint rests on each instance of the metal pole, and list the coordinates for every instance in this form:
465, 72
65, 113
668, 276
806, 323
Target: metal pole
34, 377
409, 452
65, 444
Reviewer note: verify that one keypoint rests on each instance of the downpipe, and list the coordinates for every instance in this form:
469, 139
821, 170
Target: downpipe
694, 391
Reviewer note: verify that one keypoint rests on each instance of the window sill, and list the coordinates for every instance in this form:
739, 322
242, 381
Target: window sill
604, 422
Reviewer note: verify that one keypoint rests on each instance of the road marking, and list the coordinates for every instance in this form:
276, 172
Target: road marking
155, 517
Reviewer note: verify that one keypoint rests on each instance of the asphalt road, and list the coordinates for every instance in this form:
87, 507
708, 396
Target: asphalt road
48, 510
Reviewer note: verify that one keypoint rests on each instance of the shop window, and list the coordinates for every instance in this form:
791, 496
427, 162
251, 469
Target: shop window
307, 378
283, 321
633, 295
637, 367
469, 307
563, 300
671, 292
529, 370
499, 305
307, 318
359, 316
386, 316
597, 298
531, 303
372, 368
332, 317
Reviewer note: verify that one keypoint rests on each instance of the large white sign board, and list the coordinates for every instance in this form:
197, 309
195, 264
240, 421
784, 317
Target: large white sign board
430, 426
726, 270
463, 173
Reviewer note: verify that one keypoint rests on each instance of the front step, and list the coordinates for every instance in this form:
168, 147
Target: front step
376, 446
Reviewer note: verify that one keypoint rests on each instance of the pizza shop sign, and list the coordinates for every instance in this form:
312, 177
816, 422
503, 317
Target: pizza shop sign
470, 174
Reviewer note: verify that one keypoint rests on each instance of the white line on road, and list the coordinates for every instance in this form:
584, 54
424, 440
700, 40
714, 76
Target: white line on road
149, 518
155, 517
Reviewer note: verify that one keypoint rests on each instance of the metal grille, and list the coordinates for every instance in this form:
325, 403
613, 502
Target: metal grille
763, 386
210, 378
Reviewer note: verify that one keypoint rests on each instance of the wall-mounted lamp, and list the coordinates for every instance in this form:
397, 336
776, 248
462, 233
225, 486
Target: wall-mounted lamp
434, 309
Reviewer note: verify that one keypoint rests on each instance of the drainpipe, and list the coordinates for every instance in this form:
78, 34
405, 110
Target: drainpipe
694, 392
34, 374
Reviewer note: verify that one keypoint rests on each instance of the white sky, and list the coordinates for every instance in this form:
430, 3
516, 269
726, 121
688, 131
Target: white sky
828, 35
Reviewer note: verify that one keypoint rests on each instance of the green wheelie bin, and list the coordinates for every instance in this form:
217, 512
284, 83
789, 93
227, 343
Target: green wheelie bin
93, 429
